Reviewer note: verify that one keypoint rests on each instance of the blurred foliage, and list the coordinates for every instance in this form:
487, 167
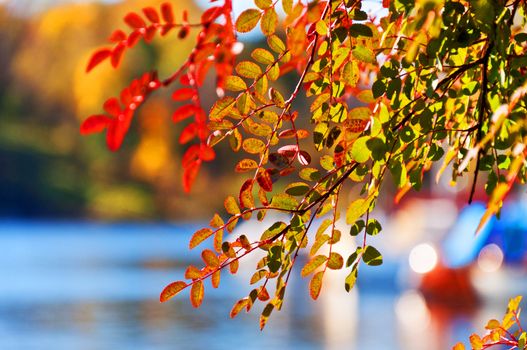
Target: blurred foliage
47, 169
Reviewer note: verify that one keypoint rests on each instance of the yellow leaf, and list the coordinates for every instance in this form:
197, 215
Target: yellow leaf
247, 20
312, 265
199, 236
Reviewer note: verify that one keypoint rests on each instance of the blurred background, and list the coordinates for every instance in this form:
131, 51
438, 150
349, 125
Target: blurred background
91, 237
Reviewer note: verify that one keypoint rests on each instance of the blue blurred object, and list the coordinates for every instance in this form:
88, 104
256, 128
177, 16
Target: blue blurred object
461, 246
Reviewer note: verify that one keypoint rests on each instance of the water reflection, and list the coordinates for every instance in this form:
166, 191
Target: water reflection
88, 286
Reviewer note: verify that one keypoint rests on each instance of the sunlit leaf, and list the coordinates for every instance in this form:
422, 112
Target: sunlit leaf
315, 285
247, 20
196, 294
313, 264
172, 290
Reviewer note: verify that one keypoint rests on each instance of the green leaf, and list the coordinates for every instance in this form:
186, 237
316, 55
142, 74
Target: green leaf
248, 69
247, 20
309, 174
313, 264
284, 201
358, 29
357, 227
364, 54
374, 227
372, 256
351, 279
235, 83
360, 151
297, 189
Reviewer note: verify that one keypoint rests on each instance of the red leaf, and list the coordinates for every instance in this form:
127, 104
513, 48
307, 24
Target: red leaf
190, 174
183, 94
265, 182
288, 151
95, 123
117, 55
112, 107
211, 14
150, 33
188, 133
97, 58
117, 131
134, 38
134, 20
183, 112
304, 158
151, 14
191, 155
167, 13
117, 36
206, 153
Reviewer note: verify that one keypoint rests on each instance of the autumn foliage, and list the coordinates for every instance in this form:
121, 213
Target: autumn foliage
392, 93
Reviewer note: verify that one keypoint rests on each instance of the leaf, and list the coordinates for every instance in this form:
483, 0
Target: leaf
222, 108
246, 165
364, 54
215, 279
356, 209
183, 94
459, 346
235, 83
239, 306
269, 21
315, 285
476, 342
276, 44
312, 265
351, 279
360, 151
246, 195
199, 236
231, 206
297, 189
277, 98
98, 57
247, 20
359, 29
263, 4
167, 13
134, 20
258, 275
284, 201
248, 69
190, 174
192, 272
94, 124
335, 261
210, 258
196, 294
262, 56
151, 14
371, 256
184, 112
172, 290
253, 146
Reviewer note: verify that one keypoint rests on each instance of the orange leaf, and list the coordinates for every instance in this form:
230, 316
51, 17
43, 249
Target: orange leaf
231, 206
246, 195
97, 58
196, 294
95, 123
264, 180
240, 304
215, 279
172, 290
192, 272
315, 285
199, 236
210, 258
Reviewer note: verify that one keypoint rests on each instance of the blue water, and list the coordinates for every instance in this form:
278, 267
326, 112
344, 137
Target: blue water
96, 286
